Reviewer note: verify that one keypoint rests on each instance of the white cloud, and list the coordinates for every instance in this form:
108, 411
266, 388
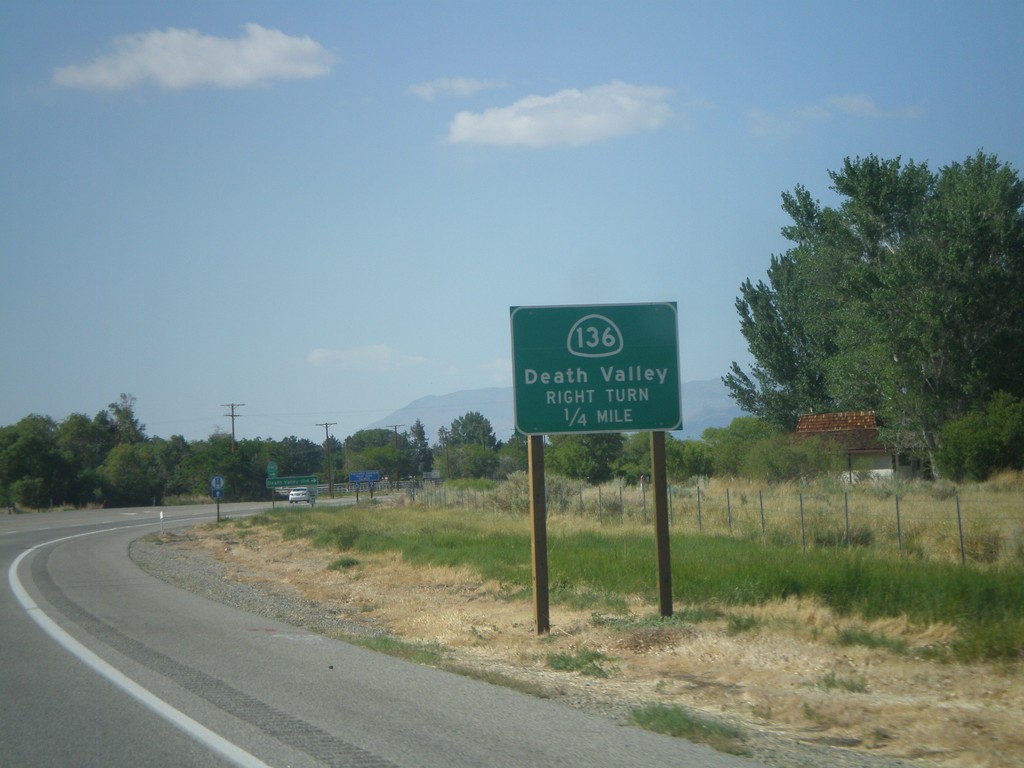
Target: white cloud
375, 358
764, 123
857, 105
452, 86
184, 58
569, 118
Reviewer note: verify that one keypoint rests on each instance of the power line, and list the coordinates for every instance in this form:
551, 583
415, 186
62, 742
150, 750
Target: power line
233, 416
396, 426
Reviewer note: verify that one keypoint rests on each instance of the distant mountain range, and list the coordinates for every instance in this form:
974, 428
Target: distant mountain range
705, 404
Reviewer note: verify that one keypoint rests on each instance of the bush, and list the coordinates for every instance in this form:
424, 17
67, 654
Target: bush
30, 492
981, 443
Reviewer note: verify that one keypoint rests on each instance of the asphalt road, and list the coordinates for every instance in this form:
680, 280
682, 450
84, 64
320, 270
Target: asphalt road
103, 665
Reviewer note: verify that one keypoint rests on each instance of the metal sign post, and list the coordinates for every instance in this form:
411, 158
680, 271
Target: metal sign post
217, 491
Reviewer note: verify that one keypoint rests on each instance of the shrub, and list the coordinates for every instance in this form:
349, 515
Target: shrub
978, 444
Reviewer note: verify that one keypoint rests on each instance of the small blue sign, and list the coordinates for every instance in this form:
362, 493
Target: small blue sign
365, 476
216, 483
217, 493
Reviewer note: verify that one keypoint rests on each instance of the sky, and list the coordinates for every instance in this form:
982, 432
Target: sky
322, 211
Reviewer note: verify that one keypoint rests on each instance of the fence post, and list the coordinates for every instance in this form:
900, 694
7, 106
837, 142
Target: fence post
960, 525
622, 507
700, 519
643, 490
600, 507
760, 500
728, 508
846, 504
899, 528
803, 527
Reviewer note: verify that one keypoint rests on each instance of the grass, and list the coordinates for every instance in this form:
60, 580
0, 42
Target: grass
678, 722
855, 684
584, 662
859, 636
428, 654
604, 568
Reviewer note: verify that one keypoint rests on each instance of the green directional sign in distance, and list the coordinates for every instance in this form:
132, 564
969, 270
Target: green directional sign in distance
290, 482
604, 368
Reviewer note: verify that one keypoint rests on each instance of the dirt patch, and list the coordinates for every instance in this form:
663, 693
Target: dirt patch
777, 671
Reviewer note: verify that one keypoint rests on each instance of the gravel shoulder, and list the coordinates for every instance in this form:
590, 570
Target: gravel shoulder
787, 721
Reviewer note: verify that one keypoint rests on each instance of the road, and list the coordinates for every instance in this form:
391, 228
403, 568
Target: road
104, 665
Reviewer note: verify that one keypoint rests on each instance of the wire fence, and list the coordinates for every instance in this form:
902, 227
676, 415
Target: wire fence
969, 528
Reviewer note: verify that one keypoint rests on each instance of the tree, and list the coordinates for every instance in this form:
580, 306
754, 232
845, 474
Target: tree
127, 429
729, 446
687, 458
590, 457
132, 475
513, 456
907, 299
472, 429
33, 470
380, 449
422, 456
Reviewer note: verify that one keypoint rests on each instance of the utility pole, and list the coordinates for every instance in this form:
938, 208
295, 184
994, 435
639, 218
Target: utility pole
396, 426
233, 416
327, 447
395, 443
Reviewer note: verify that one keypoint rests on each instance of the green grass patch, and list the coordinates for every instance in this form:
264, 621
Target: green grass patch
342, 564
678, 722
584, 662
603, 569
429, 654
737, 624
859, 636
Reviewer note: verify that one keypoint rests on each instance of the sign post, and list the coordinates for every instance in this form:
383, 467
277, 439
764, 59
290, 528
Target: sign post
272, 472
539, 534
217, 491
593, 369
370, 477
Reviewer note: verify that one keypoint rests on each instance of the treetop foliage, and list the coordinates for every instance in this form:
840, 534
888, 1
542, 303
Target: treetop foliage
907, 298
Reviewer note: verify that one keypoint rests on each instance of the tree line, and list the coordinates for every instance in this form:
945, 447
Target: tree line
108, 460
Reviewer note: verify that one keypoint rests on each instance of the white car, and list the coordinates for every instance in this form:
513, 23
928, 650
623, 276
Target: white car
296, 495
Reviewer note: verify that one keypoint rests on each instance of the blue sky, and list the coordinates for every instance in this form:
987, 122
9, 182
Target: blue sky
324, 210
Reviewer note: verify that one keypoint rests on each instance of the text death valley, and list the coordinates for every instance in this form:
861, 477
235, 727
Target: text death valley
609, 374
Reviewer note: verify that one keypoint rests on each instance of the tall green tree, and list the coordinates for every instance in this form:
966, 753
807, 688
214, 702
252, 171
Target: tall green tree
907, 298
132, 475
473, 428
34, 472
127, 429
419, 445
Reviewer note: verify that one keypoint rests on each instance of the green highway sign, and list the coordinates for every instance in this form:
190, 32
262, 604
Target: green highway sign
604, 368
290, 482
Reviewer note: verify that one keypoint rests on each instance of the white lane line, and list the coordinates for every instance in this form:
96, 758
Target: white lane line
196, 730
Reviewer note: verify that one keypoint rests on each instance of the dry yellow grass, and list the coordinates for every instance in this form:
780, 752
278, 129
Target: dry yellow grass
787, 677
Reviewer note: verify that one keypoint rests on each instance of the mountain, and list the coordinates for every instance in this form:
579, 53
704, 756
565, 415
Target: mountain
705, 404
